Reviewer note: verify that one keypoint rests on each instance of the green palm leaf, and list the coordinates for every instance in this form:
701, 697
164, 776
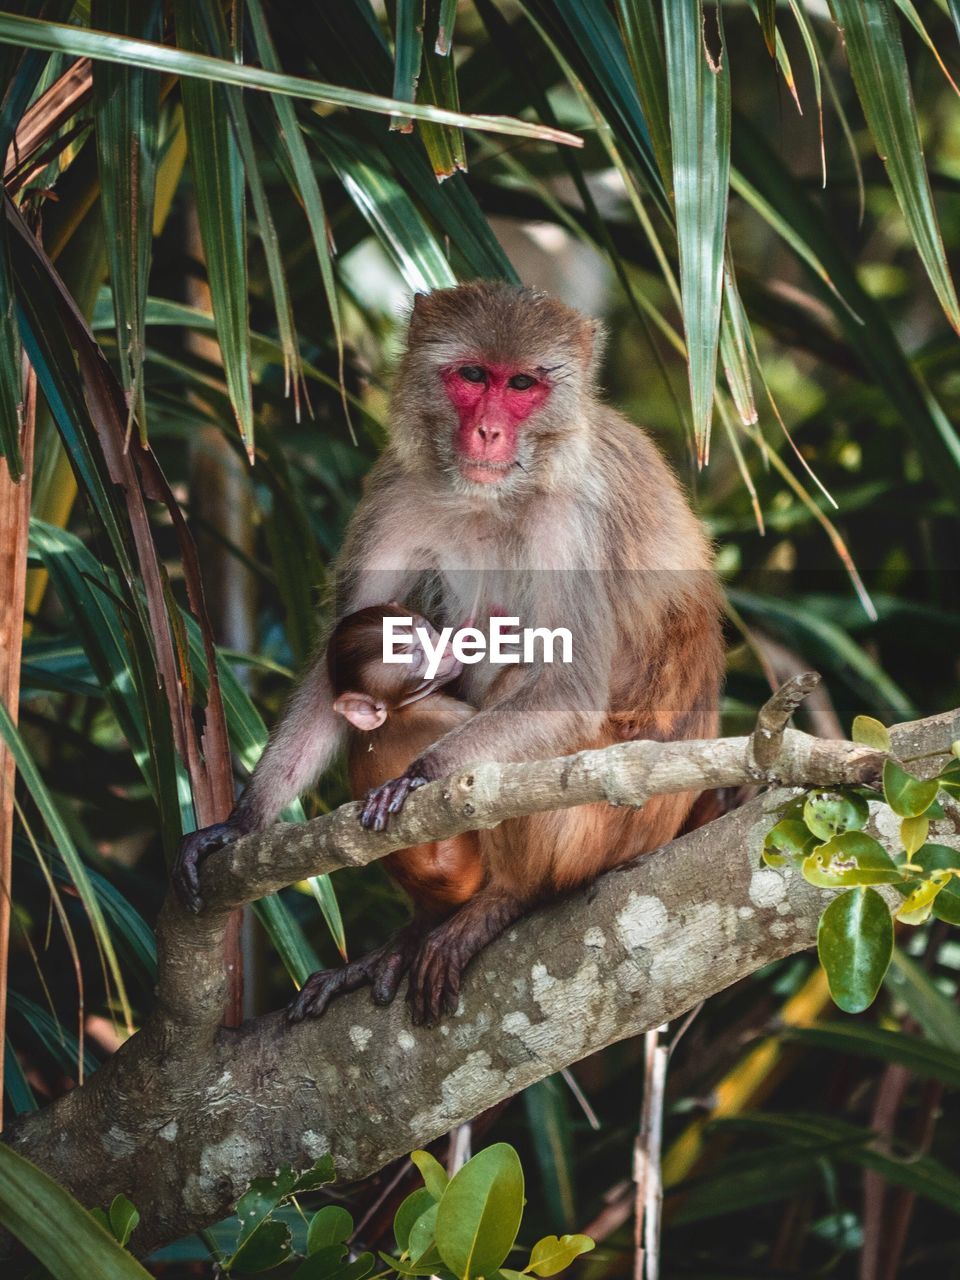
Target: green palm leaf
218, 180
57, 37
304, 180
879, 66
66, 1240
127, 109
644, 45
408, 57
392, 215
438, 84
863, 320
699, 89
60, 834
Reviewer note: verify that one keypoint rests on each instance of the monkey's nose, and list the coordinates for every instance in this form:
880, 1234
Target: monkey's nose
488, 433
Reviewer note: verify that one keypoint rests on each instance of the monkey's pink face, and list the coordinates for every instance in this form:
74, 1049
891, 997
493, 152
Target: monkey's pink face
492, 402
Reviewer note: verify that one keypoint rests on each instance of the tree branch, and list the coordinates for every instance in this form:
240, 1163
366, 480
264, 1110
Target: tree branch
187, 1113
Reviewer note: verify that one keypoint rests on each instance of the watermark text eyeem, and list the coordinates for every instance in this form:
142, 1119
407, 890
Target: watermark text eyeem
506, 644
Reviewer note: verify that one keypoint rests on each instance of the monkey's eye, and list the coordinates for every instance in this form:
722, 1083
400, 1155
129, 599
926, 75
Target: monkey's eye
472, 373
521, 382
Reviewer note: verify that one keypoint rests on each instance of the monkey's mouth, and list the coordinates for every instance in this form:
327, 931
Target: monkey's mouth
485, 472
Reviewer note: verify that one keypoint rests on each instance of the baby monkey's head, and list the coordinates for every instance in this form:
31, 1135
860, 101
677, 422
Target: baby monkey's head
367, 689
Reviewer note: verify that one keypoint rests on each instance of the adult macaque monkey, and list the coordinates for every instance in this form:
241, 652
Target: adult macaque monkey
508, 487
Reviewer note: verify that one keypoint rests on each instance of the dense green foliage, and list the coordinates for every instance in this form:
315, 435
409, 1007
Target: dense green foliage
184, 220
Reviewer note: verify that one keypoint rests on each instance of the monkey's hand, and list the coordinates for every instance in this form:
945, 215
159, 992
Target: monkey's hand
191, 851
390, 797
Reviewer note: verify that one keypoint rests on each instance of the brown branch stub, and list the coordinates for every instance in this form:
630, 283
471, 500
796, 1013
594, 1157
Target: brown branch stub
767, 740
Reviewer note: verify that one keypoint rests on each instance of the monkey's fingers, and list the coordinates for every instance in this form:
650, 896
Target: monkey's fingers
434, 987
415, 990
393, 964
321, 987
413, 781
193, 848
382, 801
389, 798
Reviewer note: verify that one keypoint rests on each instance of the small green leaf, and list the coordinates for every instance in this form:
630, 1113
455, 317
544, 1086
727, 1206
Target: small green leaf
257, 1204
550, 1255
830, 813
946, 905
329, 1225
789, 841
917, 906
906, 795
913, 833
359, 1268
260, 1199
415, 1204
855, 943
123, 1218
423, 1250
940, 857
324, 1262
266, 1248
950, 778
100, 1216
432, 1172
321, 1267
405, 1268
853, 858
319, 1176
479, 1215
871, 733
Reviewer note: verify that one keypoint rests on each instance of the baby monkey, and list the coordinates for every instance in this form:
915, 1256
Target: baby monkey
395, 713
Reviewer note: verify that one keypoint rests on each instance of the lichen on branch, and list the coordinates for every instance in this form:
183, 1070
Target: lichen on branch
186, 1114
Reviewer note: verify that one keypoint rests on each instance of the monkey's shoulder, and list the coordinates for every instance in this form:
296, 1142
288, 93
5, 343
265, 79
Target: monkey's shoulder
631, 450
648, 516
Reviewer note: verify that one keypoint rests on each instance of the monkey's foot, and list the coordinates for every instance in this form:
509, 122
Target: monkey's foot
390, 797
193, 848
382, 970
437, 971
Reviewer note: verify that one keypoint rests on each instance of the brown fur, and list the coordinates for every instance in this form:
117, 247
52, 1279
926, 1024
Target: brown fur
590, 530
441, 875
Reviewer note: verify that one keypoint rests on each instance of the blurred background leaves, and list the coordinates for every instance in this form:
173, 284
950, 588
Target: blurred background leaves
210, 236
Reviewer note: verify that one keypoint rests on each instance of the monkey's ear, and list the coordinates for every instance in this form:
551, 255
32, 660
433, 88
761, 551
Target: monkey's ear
418, 315
590, 341
363, 712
